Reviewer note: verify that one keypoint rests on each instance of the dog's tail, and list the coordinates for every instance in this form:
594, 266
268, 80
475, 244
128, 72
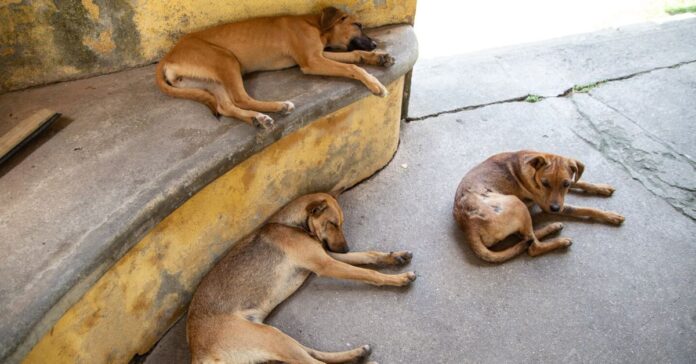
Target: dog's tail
492, 256
195, 94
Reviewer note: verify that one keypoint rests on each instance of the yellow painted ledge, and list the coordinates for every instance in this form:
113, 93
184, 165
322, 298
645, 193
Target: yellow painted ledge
133, 304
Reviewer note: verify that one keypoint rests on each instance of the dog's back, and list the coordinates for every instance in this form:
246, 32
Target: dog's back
243, 287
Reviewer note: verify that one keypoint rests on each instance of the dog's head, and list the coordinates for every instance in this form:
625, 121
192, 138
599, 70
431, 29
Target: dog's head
325, 222
343, 31
550, 176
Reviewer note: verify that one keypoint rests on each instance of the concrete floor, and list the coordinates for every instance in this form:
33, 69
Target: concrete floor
618, 295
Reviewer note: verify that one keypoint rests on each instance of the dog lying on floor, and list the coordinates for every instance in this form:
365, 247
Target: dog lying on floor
207, 66
491, 202
225, 318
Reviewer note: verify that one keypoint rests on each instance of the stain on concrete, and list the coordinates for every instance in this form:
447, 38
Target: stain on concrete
169, 284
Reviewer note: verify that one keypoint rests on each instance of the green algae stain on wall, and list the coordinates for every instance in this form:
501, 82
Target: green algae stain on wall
71, 24
45, 41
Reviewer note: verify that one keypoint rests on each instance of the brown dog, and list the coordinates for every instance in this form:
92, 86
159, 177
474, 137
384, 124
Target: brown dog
207, 66
491, 202
225, 319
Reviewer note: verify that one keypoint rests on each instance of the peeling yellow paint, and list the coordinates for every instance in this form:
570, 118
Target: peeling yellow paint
92, 8
103, 44
147, 290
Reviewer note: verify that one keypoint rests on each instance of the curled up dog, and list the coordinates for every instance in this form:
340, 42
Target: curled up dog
493, 199
207, 66
225, 318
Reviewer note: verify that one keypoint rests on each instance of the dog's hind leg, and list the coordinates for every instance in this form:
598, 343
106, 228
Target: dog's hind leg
201, 60
287, 349
234, 85
284, 348
228, 108
339, 356
540, 247
228, 71
548, 230
492, 256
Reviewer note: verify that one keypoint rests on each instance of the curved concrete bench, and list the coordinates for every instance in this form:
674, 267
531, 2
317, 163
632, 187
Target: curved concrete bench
112, 218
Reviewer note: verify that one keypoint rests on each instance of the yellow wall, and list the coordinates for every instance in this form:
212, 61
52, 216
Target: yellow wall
143, 294
44, 41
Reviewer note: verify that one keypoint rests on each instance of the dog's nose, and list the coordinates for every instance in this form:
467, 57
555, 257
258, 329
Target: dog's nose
555, 207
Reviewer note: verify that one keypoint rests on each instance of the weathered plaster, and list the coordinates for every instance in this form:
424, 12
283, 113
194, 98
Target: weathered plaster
44, 41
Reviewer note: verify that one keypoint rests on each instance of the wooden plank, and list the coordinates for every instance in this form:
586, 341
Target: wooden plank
25, 131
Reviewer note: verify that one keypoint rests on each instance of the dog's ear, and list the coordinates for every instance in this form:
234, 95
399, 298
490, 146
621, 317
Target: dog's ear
536, 161
336, 192
317, 207
577, 168
329, 17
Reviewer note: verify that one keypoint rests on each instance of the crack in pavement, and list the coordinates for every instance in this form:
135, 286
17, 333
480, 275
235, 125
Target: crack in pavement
636, 152
648, 133
465, 108
567, 93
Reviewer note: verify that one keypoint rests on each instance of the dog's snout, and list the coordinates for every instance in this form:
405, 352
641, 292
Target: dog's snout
362, 43
555, 207
342, 249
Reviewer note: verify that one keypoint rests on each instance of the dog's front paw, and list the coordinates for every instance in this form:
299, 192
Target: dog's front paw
407, 278
379, 90
612, 218
565, 242
604, 189
399, 258
263, 121
288, 107
385, 60
366, 351
383, 91
375, 86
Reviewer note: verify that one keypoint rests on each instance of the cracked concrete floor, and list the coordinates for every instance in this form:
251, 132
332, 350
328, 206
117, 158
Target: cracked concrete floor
618, 295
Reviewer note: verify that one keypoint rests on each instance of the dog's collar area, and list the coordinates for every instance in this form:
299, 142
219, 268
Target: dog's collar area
305, 226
